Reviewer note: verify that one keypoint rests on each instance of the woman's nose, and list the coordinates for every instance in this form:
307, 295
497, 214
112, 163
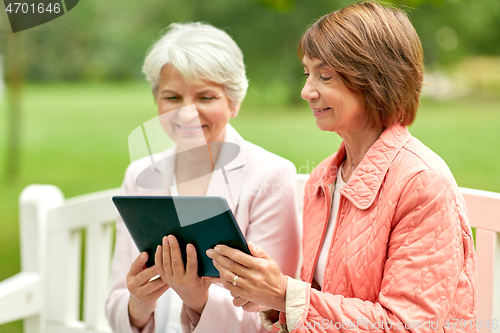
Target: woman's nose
309, 92
188, 113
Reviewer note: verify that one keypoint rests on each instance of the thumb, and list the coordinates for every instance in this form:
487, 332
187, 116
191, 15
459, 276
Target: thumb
139, 263
257, 251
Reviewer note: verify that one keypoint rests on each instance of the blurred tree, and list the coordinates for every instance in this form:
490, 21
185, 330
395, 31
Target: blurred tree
458, 29
14, 80
279, 5
282, 5
100, 40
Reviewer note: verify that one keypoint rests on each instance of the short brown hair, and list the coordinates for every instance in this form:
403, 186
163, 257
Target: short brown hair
377, 52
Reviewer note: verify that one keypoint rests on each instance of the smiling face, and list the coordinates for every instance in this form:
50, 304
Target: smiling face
336, 107
192, 114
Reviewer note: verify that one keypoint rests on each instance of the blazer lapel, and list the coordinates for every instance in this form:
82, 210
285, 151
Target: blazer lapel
230, 181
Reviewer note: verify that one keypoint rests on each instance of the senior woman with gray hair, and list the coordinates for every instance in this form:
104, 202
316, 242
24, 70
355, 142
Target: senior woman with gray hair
198, 81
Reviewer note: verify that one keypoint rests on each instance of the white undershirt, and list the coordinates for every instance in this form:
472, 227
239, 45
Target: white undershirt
323, 255
173, 189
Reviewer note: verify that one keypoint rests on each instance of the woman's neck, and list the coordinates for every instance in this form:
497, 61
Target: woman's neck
193, 163
356, 146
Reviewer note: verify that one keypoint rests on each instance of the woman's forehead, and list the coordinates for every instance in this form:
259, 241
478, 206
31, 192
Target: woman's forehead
313, 63
182, 86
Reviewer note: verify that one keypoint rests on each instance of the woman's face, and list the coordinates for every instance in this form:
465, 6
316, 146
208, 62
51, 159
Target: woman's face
336, 107
192, 114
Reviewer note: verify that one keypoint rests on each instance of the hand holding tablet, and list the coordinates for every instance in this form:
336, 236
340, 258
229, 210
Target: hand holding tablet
201, 221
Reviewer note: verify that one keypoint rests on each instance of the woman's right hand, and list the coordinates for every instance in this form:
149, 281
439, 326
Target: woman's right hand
255, 281
143, 291
192, 289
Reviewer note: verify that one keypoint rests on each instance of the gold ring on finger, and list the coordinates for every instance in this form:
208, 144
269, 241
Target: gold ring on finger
235, 280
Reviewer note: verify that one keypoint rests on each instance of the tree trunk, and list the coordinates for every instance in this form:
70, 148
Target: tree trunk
14, 80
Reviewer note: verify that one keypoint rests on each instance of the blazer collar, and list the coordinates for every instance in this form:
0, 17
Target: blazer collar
365, 182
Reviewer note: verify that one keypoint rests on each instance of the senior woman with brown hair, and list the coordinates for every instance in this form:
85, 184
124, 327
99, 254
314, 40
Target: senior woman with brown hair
387, 243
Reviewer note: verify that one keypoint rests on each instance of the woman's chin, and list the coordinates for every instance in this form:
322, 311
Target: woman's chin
185, 143
324, 127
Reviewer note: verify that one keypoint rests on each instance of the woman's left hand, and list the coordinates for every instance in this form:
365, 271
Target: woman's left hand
259, 284
192, 289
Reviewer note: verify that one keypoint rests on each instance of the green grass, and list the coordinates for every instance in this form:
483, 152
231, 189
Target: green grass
75, 136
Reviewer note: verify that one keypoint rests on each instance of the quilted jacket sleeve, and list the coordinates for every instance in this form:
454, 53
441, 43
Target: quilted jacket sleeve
425, 257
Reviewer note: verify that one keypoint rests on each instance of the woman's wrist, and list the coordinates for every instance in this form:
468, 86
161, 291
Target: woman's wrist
139, 314
282, 301
197, 309
198, 306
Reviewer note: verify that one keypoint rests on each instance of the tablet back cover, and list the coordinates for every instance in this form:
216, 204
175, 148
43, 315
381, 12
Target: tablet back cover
201, 221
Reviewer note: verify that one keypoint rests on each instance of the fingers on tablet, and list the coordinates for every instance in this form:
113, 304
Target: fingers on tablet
192, 261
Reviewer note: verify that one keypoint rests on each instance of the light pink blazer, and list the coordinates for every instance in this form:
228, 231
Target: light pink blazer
263, 188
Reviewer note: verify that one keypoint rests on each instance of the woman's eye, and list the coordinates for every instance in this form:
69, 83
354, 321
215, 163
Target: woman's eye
172, 97
325, 78
306, 75
205, 98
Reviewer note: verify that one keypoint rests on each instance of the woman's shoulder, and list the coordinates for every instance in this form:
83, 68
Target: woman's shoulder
145, 162
257, 157
151, 167
415, 158
148, 160
422, 156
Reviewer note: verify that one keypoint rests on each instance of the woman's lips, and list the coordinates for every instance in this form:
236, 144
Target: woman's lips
319, 112
185, 129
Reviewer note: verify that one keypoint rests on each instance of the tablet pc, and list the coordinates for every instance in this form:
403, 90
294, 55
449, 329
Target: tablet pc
201, 221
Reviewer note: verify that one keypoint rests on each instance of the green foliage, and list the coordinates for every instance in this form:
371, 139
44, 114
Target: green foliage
279, 5
101, 40
471, 28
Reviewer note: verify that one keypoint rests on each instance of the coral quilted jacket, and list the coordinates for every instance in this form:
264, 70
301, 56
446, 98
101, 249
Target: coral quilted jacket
402, 250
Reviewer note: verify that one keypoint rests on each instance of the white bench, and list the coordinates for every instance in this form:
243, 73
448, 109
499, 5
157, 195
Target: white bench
47, 294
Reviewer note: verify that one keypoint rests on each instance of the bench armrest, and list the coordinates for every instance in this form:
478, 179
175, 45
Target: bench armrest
20, 297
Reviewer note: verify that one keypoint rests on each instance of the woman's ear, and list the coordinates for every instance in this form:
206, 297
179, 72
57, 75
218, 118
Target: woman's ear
234, 110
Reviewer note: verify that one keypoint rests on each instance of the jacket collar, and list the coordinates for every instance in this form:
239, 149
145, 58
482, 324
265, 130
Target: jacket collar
365, 182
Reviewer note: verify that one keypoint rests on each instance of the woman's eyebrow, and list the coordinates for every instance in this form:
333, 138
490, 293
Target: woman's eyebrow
168, 91
206, 91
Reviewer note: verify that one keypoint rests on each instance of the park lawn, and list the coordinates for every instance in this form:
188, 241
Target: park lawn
75, 136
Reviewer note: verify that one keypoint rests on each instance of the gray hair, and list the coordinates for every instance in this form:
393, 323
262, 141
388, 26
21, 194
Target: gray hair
199, 52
